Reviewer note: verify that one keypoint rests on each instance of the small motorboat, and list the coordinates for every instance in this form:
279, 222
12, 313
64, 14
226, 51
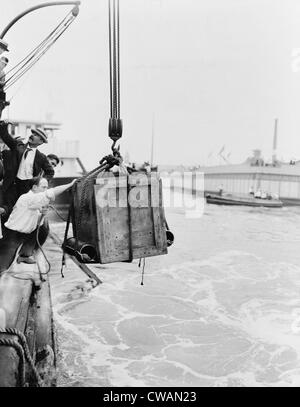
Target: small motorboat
229, 199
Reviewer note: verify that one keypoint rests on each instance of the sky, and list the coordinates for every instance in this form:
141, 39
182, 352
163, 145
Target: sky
198, 74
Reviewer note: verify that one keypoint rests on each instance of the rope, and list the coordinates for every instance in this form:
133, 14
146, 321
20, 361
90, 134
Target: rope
45, 257
18, 348
34, 61
22, 350
39, 46
31, 64
27, 59
33, 57
57, 213
17, 91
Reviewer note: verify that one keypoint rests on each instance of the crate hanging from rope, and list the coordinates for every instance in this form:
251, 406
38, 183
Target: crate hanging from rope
117, 218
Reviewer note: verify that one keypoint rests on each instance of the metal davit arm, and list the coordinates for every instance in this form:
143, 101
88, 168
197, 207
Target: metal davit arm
75, 12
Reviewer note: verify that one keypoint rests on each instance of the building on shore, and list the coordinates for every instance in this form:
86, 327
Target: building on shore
282, 179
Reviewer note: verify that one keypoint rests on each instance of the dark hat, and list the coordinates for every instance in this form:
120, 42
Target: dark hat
5, 59
40, 133
3, 45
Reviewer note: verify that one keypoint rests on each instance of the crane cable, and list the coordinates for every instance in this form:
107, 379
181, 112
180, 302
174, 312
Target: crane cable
115, 123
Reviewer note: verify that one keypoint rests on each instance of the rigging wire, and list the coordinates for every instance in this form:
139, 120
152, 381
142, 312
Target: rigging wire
115, 112
38, 46
17, 91
36, 59
118, 60
31, 54
110, 58
33, 62
33, 57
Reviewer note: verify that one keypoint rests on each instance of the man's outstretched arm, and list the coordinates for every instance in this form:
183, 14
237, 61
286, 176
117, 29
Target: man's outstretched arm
6, 137
62, 188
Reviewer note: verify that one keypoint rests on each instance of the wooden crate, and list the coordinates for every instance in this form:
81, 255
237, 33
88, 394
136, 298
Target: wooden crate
123, 216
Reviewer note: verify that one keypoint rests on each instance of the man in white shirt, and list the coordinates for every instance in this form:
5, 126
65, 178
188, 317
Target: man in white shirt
23, 223
25, 162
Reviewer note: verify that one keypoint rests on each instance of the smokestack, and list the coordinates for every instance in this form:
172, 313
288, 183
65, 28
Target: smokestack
152, 141
274, 156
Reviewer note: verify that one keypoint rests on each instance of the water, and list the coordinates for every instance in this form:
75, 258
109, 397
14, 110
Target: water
221, 309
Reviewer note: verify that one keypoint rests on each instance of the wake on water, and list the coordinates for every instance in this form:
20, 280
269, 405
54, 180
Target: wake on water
221, 309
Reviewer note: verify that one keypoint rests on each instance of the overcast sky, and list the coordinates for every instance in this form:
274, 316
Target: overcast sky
210, 72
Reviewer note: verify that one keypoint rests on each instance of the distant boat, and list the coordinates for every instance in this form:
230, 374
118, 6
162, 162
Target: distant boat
236, 200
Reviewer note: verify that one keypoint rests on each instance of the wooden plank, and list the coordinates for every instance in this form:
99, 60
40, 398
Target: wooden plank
147, 224
159, 222
149, 252
112, 226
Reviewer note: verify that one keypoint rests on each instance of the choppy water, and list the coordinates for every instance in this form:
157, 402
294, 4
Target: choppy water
221, 309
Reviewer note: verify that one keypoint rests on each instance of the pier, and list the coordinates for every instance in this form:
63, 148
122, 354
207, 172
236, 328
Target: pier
239, 179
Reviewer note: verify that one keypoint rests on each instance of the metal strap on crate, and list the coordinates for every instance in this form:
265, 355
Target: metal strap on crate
129, 223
